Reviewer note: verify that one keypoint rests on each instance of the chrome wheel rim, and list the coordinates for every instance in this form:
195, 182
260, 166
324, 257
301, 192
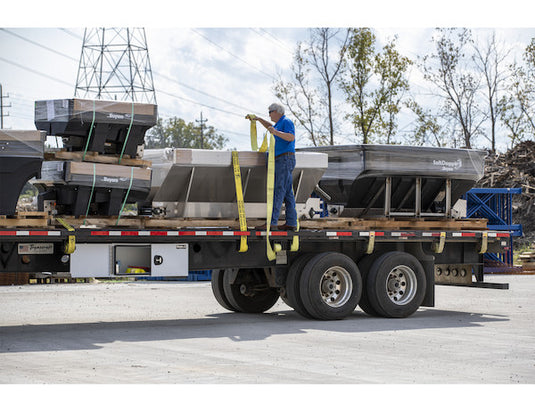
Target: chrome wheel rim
336, 286
401, 285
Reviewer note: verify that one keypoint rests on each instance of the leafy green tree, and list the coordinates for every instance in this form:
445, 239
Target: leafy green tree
175, 132
428, 128
309, 95
457, 82
518, 104
374, 83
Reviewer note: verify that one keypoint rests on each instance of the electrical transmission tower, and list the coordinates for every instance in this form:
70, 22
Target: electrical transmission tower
115, 65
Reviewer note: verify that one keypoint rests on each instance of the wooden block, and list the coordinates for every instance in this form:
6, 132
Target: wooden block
25, 219
94, 157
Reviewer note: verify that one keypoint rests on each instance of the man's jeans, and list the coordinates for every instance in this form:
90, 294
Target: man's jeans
283, 192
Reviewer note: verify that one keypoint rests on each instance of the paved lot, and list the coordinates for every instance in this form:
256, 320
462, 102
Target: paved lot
175, 332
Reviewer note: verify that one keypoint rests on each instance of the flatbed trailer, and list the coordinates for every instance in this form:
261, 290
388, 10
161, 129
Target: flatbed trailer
321, 271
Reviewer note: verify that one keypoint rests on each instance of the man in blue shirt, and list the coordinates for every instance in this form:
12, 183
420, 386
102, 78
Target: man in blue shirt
284, 132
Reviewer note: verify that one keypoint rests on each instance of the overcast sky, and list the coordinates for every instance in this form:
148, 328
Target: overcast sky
218, 60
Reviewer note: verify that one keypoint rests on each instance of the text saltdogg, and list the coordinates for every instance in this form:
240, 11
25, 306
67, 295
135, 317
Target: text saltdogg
448, 166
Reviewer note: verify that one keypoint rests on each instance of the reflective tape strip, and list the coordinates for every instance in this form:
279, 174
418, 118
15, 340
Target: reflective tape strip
30, 233
99, 233
463, 234
164, 233
337, 234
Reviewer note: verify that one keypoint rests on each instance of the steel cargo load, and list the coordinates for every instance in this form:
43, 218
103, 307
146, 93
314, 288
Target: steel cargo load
21, 156
96, 125
200, 183
415, 180
73, 185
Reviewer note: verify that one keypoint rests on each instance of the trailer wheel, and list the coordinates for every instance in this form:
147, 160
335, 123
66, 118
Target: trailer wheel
293, 293
249, 292
364, 266
219, 291
330, 286
396, 285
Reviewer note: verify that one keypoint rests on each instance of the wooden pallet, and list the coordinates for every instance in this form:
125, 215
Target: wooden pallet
95, 157
8, 279
25, 219
312, 224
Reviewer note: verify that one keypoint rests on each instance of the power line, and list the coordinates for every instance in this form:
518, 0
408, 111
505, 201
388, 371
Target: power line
35, 71
258, 33
200, 91
38, 44
200, 104
276, 39
76, 36
233, 55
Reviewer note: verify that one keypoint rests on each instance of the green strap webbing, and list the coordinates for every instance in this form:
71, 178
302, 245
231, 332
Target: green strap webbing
126, 196
127, 133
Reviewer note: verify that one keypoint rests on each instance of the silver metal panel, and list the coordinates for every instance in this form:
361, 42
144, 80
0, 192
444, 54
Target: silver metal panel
200, 183
169, 260
84, 264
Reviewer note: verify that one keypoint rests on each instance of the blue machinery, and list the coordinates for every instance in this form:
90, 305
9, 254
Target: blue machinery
495, 205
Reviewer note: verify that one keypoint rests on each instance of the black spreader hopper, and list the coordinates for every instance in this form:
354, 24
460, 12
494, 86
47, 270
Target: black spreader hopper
80, 188
100, 126
21, 156
387, 180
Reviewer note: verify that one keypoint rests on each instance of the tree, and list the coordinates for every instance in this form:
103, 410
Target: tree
313, 106
175, 132
428, 128
458, 84
518, 104
374, 84
489, 61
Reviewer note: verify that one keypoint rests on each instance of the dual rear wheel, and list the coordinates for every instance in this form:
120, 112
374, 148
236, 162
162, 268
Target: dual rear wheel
329, 286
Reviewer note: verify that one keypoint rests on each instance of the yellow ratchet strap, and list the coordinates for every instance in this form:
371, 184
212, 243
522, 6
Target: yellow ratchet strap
239, 197
70, 247
254, 136
271, 252
295, 242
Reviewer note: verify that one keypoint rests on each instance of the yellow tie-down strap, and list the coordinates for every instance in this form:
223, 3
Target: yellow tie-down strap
254, 137
271, 253
70, 246
239, 197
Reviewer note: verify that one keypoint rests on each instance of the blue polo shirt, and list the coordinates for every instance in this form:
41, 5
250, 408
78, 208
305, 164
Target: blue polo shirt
287, 126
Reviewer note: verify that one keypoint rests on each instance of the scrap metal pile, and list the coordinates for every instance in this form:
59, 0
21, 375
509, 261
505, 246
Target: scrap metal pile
515, 169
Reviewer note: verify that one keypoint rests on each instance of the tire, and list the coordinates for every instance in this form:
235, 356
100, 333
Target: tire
219, 291
330, 286
293, 293
250, 292
396, 285
364, 266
